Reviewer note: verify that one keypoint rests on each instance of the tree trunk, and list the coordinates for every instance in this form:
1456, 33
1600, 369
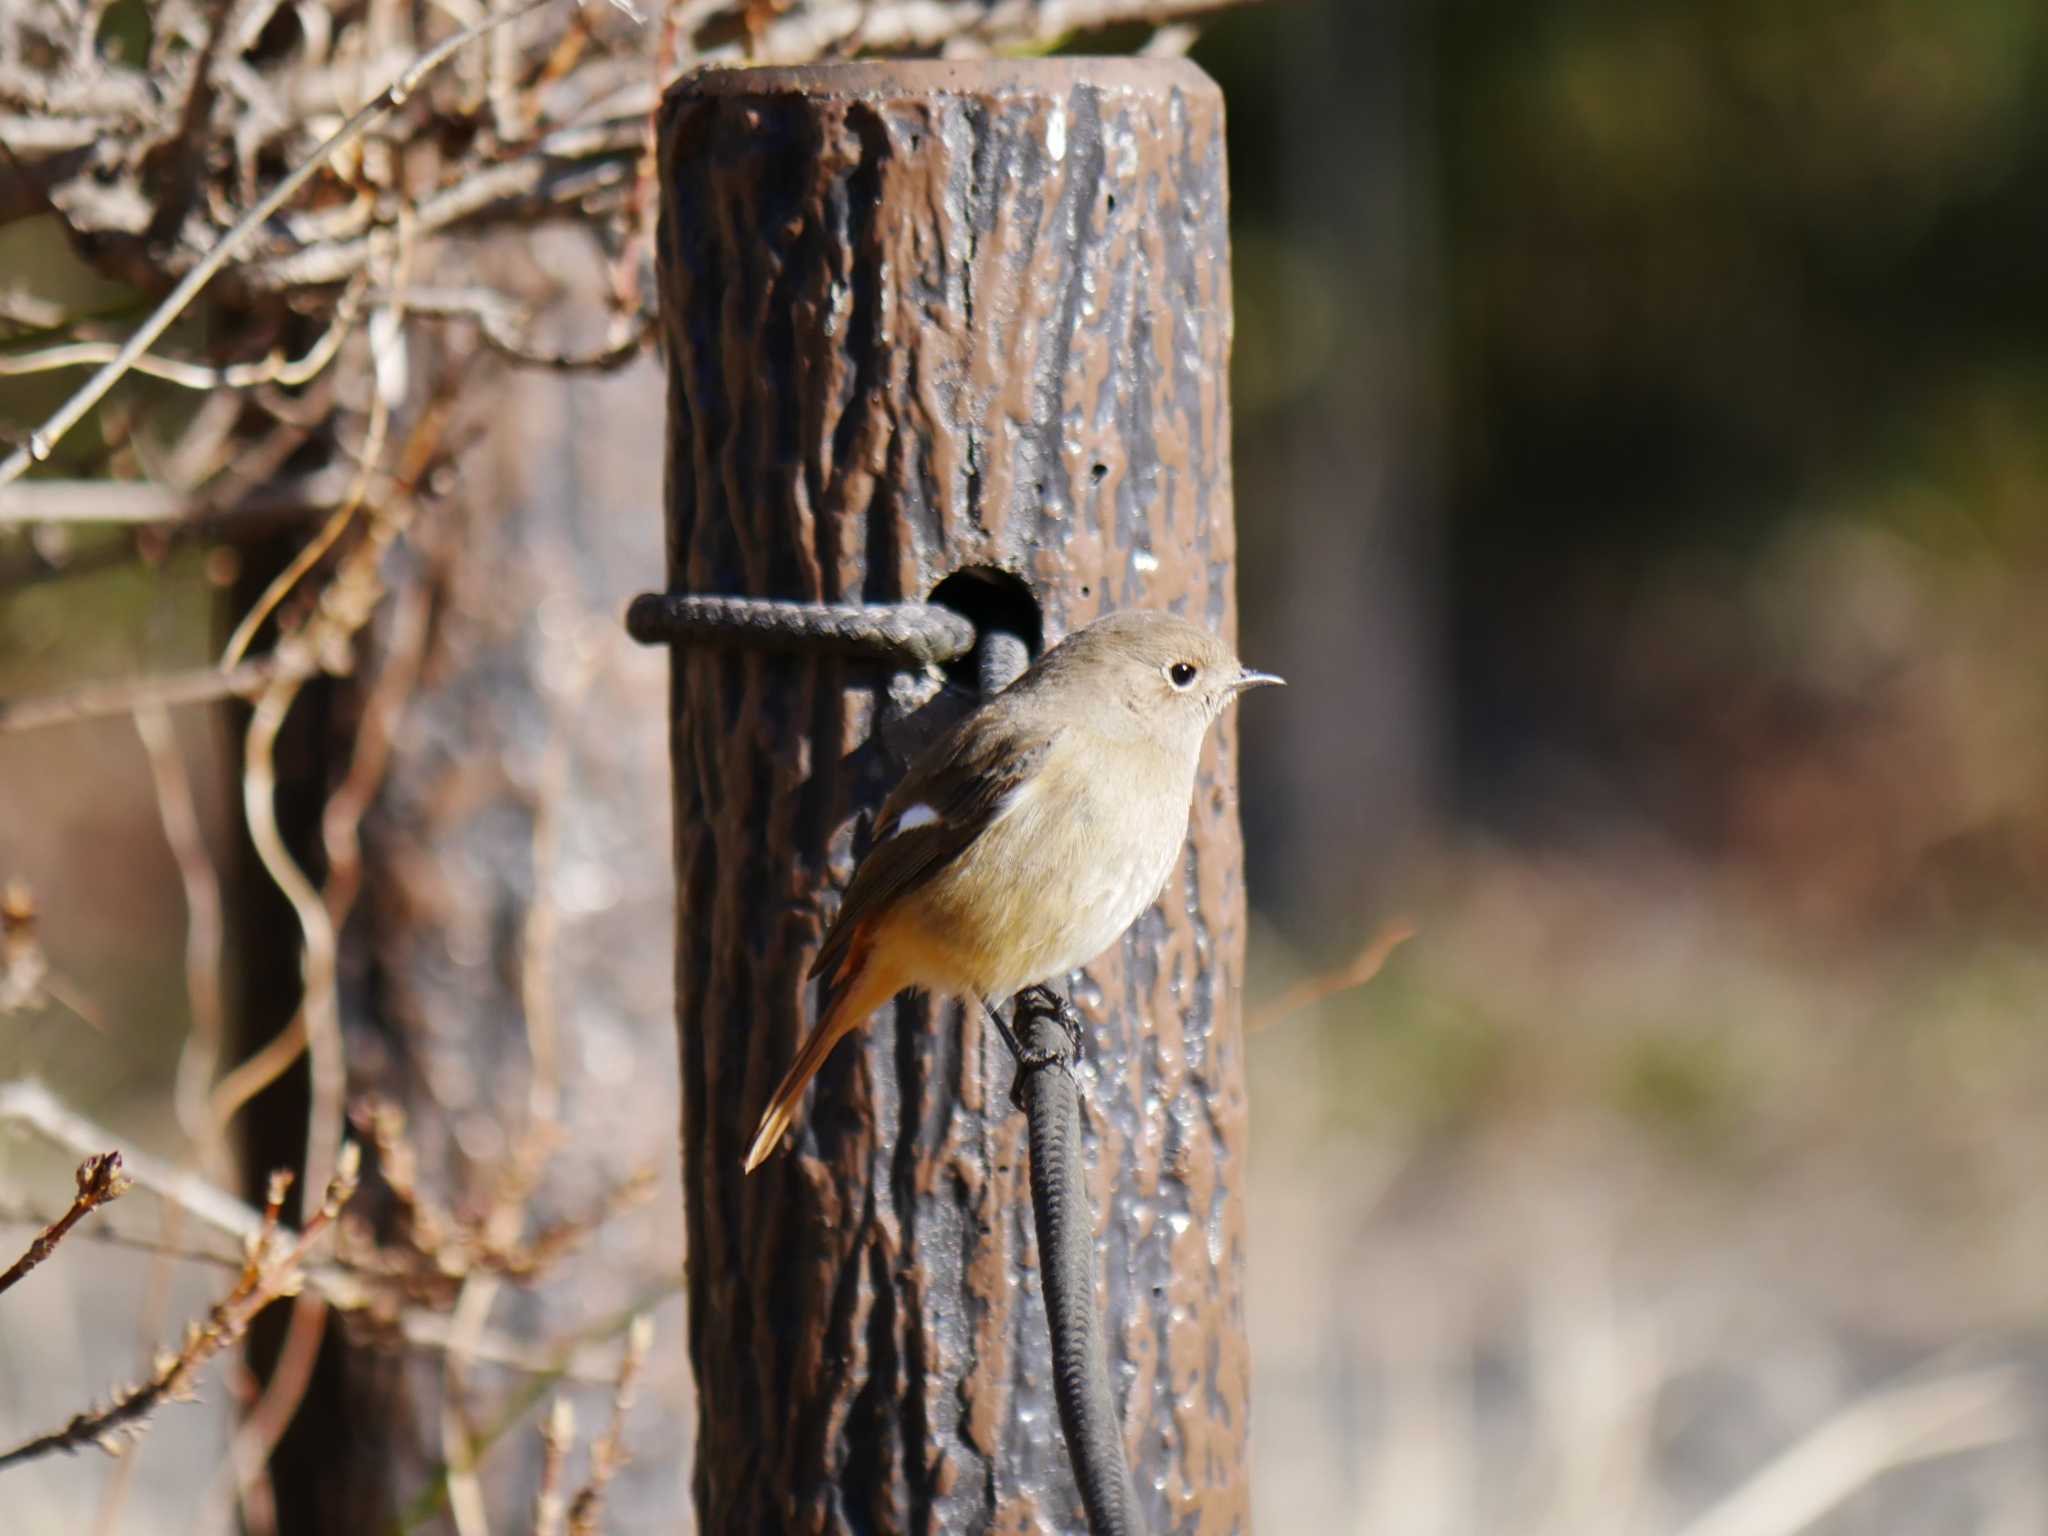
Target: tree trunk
927, 318
503, 966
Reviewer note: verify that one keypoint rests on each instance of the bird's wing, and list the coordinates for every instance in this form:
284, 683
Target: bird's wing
943, 804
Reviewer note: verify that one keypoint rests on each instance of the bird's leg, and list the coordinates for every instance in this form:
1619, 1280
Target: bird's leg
995, 1017
1026, 1044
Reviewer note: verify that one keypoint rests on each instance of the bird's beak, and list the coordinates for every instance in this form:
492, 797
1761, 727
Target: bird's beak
1250, 679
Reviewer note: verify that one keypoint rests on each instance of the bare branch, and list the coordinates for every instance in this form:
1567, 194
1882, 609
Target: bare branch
321, 1006
109, 1238
609, 1454
565, 168
503, 322
275, 369
346, 606
100, 1180
549, 1505
311, 555
439, 1245
275, 1267
458, 1446
282, 498
201, 1052
258, 1433
342, 1288
1306, 994
339, 823
42, 442
27, 1102
205, 685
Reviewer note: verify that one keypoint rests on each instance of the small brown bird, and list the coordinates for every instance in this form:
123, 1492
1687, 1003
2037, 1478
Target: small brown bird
1026, 839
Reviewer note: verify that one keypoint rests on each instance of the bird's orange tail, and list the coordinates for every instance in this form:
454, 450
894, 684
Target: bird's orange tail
860, 995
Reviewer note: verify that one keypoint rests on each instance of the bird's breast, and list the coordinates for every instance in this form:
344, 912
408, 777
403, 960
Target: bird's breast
1058, 878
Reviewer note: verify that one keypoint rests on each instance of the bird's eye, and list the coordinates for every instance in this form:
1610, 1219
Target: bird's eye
1181, 674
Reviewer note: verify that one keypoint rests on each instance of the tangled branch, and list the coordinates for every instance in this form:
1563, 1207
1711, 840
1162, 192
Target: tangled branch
565, 136
44, 439
275, 1267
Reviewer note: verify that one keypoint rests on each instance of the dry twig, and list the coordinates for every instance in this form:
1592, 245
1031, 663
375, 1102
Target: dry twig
609, 1453
274, 369
458, 1444
549, 1505
275, 1267
362, 1276
29, 1103
42, 442
436, 1249
204, 685
275, 498
100, 1180
1369, 962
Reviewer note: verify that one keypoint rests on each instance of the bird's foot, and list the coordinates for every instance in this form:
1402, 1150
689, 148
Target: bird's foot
1043, 1002
1032, 1047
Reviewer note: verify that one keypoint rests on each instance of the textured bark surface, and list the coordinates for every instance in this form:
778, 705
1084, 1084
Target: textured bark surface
919, 318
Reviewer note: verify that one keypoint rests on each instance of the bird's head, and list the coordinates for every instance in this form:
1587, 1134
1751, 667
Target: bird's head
1152, 671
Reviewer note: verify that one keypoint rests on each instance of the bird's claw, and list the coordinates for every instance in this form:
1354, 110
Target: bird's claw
1044, 1002
1039, 1002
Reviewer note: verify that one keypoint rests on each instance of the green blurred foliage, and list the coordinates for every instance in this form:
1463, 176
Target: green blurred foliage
1707, 260
126, 31
1708, 341
1745, 434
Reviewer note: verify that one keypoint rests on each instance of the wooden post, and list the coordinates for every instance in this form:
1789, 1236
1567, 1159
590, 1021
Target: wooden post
924, 318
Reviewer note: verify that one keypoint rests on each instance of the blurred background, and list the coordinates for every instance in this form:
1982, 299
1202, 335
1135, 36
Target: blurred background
1642, 463
1642, 443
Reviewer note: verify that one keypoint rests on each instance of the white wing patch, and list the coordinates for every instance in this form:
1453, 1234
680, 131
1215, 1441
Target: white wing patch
915, 816
922, 814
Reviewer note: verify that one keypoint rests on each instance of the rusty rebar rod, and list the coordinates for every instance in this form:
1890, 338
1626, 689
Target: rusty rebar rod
1045, 1032
1043, 1024
899, 632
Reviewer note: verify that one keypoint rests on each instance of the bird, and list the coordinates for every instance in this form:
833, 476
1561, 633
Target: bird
1025, 840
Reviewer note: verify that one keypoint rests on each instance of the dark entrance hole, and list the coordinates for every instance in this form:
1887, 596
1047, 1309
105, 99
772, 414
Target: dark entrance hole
993, 601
